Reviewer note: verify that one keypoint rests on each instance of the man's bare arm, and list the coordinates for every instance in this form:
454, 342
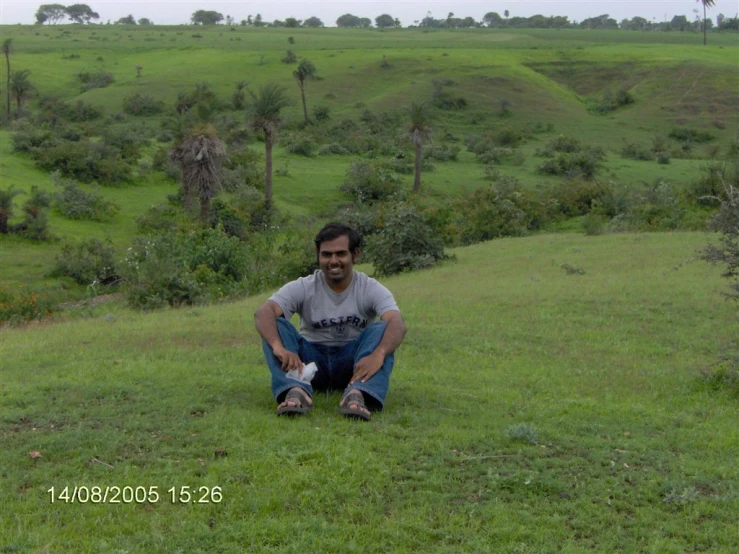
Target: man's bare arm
394, 333
265, 320
391, 339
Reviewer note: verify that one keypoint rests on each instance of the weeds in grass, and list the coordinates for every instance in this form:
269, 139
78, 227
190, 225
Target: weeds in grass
524, 432
570, 269
685, 496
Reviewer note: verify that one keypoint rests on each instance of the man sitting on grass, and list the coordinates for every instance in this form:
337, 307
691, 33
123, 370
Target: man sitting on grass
338, 307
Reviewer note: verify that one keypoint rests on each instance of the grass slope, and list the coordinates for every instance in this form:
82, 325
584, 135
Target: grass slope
633, 453
547, 76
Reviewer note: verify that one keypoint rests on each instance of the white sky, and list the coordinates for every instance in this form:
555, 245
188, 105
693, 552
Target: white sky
171, 12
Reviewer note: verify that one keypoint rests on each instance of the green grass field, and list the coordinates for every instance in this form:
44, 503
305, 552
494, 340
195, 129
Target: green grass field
529, 411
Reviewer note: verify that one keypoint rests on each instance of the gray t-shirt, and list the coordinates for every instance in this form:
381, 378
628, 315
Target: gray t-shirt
330, 318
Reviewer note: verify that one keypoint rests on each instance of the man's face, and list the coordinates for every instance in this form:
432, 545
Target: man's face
336, 261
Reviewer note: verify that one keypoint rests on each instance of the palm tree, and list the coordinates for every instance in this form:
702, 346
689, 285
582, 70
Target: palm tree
419, 130
264, 115
21, 87
7, 48
706, 4
305, 71
200, 156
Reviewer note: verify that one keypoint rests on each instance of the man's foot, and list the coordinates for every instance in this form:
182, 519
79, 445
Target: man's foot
352, 405
297, 402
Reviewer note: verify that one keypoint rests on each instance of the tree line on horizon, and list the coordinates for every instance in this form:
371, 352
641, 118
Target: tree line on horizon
82, 13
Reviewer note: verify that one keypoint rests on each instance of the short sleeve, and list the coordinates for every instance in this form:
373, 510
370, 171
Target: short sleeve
290, 298
380, 298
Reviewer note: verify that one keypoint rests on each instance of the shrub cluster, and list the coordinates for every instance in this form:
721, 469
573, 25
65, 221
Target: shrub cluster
142, 104
405, 242
20, 305
84, 160
87, 261
73, 202
35, 222
567, 157
368, 182
96, 79
611, 101
199, 266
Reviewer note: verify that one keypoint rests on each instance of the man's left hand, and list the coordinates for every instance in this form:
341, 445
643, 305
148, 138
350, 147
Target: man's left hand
367, 367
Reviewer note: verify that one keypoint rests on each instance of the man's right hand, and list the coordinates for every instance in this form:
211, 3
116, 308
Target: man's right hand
290, 360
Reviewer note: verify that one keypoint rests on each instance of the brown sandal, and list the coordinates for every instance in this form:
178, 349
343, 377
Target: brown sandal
298, 396
360, 410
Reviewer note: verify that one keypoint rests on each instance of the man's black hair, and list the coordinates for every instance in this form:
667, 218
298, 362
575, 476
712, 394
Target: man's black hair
335, 230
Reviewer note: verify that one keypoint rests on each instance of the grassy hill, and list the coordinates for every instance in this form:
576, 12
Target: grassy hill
530, 410
549, 78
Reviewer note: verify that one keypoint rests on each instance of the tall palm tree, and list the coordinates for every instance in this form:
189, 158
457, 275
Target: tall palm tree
200, 155
419, 129
706, 4
21, 87
264, 115
305, 71
7, 47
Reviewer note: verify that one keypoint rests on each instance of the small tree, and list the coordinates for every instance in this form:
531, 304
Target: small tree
264, 115
206, 17
6, 207
706, 4
21, 87
238, 99
384, 21
50, 13
81, 13
419, 129
305, 71
726, 222
7, 48
200, 156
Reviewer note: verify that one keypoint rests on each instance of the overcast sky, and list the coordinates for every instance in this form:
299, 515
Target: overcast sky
172, 12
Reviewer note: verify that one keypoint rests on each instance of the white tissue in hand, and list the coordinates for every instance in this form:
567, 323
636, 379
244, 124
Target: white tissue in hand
308, 372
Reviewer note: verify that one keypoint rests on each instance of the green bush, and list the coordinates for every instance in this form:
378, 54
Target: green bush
27, 137
683, 134
562, 144
35, 224
21, 305
611, 101
584, 163
73, 202
87, 261
576, 197
321, 113
142, 104
333, 148
161, 218
84, 161
635, 151
710, 188
97, 79
658, 208
404, 243
726, 253
442, 152
204, 265
506, 210
367, 182
301, 144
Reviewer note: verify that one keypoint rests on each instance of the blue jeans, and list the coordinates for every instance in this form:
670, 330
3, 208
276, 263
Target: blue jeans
335, 364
